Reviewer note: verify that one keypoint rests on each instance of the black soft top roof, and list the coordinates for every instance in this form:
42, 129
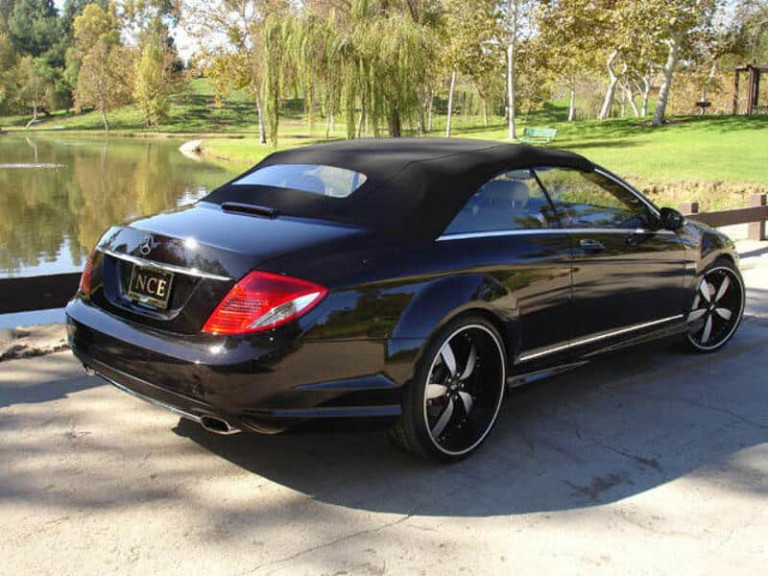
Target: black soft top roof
414, 186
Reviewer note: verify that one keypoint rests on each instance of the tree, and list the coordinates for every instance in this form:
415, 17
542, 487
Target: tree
471, 29
104, 80
33, 27
35, 77
8, 82
517, 19
682, 24
232, 46
565, 62
153, 85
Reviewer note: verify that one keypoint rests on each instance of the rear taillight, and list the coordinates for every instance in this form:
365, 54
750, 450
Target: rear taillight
261, 301
85, 278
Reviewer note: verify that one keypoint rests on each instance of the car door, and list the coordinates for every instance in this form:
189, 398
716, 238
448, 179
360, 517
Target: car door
512, 224
628, 273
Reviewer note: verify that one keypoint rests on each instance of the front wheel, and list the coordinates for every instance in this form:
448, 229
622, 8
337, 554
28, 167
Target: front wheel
717, 307
452, 402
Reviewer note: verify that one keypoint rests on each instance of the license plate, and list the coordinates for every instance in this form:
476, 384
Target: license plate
150, 286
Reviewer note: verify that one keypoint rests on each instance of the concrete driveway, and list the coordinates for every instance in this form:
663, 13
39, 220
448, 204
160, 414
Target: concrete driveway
648, 461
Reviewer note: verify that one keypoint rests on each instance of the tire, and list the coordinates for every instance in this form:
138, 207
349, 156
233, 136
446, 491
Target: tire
453, 400
717, 308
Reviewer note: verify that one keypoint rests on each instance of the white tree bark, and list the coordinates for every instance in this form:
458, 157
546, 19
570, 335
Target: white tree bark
572, 106
646, 95
631, 99
659, 115
609, 92
34, 116
711, 75
260, 115
450, 105
511, 89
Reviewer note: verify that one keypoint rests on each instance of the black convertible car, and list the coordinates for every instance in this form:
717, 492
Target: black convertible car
413, 279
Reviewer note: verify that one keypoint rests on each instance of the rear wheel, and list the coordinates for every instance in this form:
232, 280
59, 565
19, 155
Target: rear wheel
452, 402
717, 307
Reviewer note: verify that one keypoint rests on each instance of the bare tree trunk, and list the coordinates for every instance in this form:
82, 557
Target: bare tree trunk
631, 99
450, 105
260, 115
395, 129
711, 75
104, 118
511, 90
421, 120
361, 120
34, 116
572, 106
613, 79
622, 104
429, 110
659, 115
485, 112
646, 95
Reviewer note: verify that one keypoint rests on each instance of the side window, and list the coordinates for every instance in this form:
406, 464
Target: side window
510, 201
589, 200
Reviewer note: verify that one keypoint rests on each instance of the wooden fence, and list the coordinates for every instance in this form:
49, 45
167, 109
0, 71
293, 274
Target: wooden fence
755, 215
45, 292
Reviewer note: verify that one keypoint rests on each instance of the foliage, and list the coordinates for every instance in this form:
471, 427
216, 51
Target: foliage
153, 85
33, 27
104, 79
35, 78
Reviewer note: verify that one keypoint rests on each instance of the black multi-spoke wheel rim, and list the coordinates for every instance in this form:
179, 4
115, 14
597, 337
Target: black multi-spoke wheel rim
464, 389
717, 309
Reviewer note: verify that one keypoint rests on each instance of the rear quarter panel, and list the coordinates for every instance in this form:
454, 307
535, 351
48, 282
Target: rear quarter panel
405, 292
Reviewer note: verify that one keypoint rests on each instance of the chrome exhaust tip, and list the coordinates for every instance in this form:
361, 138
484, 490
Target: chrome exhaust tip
218, 426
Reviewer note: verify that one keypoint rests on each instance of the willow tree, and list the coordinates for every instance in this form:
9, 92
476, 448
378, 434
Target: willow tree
367, 59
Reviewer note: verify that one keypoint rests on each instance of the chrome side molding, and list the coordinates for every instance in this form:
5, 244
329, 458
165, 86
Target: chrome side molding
595, 338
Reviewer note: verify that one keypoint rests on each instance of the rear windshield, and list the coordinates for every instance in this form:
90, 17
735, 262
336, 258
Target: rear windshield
314, 178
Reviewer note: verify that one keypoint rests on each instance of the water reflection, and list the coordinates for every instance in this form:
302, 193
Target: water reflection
58, 194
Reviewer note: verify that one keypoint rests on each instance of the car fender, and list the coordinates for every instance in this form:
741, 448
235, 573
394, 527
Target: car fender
442, 300
710, 244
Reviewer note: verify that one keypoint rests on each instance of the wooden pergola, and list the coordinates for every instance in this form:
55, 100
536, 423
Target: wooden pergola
753, 88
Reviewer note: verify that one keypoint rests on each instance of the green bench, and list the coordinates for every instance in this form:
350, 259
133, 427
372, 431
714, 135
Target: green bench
538, 136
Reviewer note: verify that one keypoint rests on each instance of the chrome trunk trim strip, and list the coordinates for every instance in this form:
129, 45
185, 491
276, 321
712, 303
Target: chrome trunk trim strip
163, 266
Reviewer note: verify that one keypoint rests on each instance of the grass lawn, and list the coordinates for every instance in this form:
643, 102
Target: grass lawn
717, 160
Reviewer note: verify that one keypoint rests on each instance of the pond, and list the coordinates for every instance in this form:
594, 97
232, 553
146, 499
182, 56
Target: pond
59, 193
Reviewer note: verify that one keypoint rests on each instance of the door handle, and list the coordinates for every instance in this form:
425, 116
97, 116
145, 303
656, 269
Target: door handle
591, 246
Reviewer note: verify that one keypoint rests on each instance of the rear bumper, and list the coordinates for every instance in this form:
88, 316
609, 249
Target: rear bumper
264, 383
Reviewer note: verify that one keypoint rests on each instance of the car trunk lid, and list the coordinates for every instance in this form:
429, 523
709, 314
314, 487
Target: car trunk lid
169, 271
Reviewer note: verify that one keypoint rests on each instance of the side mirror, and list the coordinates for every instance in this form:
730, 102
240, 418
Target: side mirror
671, 219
